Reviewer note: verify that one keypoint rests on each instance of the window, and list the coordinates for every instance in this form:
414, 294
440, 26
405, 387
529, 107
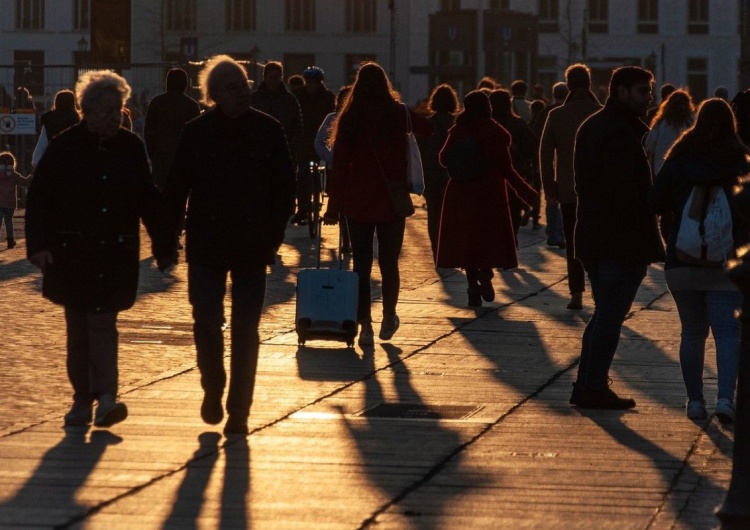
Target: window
648, 16
179, 15
295, 63
698, 17
300, 15
81, 13
697, 77
29, 71
598, 16
450, 5
29, 14
360, 16
549, 16
240, 15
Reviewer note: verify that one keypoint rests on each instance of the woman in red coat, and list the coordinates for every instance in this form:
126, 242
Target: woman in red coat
476, 231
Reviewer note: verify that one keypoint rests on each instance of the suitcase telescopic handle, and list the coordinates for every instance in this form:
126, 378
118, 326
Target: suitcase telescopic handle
341, 243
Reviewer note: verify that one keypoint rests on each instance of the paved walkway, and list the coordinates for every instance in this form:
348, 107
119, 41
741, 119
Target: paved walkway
347, 438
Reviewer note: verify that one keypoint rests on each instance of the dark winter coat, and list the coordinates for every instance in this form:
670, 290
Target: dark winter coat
475, 226
85, 205
674, 183
282, 105
612, 180
56, 121
356, 184
240, 179
165, 119
315, 107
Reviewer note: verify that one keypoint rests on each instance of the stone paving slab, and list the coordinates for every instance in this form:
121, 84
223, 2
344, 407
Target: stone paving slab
319, 456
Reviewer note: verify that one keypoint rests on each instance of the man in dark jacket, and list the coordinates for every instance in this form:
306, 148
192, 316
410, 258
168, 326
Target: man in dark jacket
616, 237
166, 116
272, 97
234, 163
316, 102
556, 165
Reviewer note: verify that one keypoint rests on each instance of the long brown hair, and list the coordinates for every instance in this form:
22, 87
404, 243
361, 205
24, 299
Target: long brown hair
677, 110
372, 104
714, 134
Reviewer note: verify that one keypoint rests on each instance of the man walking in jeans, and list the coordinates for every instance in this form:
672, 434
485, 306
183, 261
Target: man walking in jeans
616, 238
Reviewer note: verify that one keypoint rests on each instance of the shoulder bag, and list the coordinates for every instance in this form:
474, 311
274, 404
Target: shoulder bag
398, 192
414, 160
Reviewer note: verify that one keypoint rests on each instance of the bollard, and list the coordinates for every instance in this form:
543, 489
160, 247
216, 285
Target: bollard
734, 514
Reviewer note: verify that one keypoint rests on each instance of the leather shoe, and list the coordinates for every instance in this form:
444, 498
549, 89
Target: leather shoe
211, 410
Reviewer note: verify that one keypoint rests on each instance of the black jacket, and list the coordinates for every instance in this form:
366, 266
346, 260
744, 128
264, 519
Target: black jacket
315, 107
612, 180
240, 179
85, 205
283, 106
165, 119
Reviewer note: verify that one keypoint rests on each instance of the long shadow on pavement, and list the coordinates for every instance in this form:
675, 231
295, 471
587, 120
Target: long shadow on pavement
391, 448
62, 471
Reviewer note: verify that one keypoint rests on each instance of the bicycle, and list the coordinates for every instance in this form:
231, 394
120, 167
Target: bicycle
316, 174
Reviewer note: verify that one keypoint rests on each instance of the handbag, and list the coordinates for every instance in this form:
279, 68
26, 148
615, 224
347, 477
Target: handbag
398, 192
414, 158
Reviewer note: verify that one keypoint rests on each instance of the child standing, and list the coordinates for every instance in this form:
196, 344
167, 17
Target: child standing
9, 179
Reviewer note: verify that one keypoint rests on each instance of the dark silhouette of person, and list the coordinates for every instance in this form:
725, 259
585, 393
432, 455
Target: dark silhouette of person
166, 116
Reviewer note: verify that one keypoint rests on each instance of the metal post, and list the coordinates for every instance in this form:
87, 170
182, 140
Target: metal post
392, 58
734, 514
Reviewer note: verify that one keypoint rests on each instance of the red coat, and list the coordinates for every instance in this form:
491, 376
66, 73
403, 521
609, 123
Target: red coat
356, 185
476, 230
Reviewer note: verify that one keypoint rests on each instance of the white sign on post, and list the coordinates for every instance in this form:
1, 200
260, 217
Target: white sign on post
21, 123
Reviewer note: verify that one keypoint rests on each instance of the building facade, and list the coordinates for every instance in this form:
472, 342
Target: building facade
695, 43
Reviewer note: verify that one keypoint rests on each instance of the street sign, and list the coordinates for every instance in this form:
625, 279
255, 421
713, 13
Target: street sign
18, 122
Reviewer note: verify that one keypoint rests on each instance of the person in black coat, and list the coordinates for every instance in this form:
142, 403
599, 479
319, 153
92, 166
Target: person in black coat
88, 195
166, 116
234, 164
616, 236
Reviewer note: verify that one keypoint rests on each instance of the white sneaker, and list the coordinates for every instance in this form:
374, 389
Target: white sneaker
366, 335
696, 409
725, 410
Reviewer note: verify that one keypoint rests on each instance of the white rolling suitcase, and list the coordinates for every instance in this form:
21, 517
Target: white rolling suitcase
327, 302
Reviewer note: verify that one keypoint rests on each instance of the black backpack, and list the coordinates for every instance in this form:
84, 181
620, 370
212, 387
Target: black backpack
465, 160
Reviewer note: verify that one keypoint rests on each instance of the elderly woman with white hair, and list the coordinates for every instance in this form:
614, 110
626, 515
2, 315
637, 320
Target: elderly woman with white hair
89, 193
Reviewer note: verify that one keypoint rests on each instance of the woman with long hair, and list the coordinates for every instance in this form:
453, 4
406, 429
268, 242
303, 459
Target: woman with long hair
368, 138
476, 231
443, 106
709, 156
675, 114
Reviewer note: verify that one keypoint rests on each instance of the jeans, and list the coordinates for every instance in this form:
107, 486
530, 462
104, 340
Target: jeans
92, 354
206, 290
6, 214
390, 238
576, 274
699, 311
554, 228
614, 285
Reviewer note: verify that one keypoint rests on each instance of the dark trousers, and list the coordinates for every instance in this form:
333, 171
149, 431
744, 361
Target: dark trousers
614, 285
92, 354
206, 290
576, 275
390, 239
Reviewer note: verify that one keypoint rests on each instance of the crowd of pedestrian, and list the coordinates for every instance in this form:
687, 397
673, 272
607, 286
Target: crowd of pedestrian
618, 177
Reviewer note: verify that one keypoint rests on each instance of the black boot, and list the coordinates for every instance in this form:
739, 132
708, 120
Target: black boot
11, 243
475, 297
